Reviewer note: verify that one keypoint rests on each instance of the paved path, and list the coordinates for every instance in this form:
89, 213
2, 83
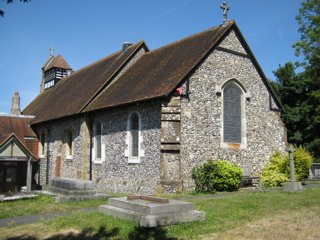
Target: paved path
21, 220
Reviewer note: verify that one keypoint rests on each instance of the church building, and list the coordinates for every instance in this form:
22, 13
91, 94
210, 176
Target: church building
140, 120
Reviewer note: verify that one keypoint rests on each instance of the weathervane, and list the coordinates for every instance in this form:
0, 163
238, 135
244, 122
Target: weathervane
51, 51
224, 6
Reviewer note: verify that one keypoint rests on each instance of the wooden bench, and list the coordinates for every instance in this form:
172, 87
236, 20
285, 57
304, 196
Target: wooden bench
247, 179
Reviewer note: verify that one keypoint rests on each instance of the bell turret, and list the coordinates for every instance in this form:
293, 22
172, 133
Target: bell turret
53, 71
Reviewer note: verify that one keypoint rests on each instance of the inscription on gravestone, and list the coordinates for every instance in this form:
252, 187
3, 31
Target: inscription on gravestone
232, 114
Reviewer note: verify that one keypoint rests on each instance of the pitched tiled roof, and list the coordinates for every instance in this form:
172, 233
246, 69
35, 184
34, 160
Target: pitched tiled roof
19, 127
71, 94
155, 74
57, 62
158, 72
15, 124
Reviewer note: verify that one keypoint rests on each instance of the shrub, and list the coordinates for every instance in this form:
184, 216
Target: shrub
219, 175
302, 163
272, 177
277, 172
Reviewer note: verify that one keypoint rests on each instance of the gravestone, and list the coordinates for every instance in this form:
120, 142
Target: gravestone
69, 189
314, 172
150, 211
292, 185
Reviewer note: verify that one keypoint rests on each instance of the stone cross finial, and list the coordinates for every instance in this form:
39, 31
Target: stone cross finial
51, 51
224, 6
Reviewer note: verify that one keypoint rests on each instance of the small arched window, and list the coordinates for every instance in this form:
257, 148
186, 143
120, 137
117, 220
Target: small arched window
42, 144
98, 143
232, 113
133, 150
69, 144
134, 135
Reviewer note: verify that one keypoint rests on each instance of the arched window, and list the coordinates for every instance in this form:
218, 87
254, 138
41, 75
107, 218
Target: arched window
42, 144
134, 135
232, 113
133, 150
68, 143
97, 140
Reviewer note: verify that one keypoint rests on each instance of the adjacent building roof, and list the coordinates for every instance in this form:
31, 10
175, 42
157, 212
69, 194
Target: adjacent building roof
18, 126
154, 75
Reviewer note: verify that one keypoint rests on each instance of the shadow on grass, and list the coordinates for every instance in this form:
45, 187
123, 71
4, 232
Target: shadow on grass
139, 233
149, 233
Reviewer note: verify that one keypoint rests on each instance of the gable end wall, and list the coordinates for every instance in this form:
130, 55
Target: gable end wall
201, 114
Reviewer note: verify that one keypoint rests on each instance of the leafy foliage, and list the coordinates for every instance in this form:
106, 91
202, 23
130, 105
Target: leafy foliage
300, 93
219, 175
277, 172
11, 1
273, 175
309, 21
302, 163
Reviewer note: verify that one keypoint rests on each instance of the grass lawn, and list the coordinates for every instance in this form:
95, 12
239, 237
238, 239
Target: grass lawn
261, 215
42, 203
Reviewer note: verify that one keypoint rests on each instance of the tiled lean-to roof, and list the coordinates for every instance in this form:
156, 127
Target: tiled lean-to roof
18, 126
154, 75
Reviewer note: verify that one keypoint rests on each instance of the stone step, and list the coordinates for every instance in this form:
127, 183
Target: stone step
153, 220
68, 192
71, 184
63, 198
147, 207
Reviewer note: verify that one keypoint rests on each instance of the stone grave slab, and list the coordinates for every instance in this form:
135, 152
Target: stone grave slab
69, 189
150, 211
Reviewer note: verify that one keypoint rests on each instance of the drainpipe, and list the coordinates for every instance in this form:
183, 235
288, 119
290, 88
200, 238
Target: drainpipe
39, 164
48, 155
90, 148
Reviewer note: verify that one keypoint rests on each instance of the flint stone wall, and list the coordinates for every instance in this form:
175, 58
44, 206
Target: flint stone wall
115, 174
43, 171
70, 168
201, 114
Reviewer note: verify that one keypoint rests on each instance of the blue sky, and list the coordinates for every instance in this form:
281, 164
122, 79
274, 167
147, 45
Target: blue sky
84, 31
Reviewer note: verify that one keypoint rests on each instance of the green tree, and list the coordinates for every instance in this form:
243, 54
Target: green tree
10, 1
300, 93
309, 27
